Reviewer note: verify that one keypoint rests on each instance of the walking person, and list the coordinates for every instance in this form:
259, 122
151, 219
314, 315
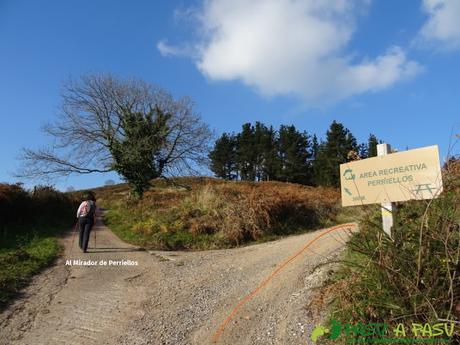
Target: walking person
86, 216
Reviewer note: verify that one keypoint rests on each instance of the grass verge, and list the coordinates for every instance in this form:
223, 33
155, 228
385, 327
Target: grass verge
30, 221
23, 256
412, 278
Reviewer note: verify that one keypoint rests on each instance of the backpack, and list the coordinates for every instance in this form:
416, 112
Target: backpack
87, 209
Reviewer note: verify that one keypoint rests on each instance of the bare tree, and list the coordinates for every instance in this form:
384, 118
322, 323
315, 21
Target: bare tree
94, 123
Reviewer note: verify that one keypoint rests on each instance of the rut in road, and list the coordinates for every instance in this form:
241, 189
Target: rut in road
172, 297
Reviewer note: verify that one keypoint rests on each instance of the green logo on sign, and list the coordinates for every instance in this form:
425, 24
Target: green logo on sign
348, 174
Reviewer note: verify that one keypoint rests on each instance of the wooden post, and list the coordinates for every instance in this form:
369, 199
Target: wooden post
387, 207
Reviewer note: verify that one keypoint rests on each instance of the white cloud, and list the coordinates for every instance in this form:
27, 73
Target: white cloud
379, 74
166, 49
442, 29
170, 50
284, 47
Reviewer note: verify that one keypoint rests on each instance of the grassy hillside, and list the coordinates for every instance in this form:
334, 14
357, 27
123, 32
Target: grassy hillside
203, 213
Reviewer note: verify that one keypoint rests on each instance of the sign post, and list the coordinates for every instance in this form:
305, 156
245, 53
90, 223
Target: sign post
387, 207
391, 177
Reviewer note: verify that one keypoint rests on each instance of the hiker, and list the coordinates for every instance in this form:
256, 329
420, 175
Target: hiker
86, 216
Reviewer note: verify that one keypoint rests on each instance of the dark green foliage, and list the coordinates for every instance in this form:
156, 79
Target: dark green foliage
246, 153
259, 153
372, 143
333, 152
369, 149
269, 147
223, 157
294, 154
14, 203
29, 224
21, 210
135, 156
314, 147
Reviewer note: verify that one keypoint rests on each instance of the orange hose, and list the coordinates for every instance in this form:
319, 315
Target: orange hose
265, 282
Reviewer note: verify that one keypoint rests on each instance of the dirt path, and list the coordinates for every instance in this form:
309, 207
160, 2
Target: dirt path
171, 297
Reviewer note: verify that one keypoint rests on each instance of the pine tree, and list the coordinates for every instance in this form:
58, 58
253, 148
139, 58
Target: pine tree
339, 142
260, 145
314, 147
246, 156
361, 152
223, 157
295, 153
271, 162
372, 143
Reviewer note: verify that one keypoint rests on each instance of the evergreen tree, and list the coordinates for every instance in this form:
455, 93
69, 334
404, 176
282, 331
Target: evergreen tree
246, 153
295, 153
271, 162
259, 153
319, 164
223, 157
314, 147
362, 151
332, 153
260, 146
372, 143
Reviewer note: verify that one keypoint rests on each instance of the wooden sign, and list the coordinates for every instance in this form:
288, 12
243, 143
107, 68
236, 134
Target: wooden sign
407, 175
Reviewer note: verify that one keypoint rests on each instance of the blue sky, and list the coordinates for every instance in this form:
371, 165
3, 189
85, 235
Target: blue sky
386, 67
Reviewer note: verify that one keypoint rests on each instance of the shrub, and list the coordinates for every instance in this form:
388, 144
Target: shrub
205, 211
413, 277
51, 205
29, 224
15, 203
22, 211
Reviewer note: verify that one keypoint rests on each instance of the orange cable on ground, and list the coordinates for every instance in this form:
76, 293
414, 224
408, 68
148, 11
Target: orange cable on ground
271, 276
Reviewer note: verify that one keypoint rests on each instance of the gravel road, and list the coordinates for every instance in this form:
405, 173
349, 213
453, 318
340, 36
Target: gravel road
174, 298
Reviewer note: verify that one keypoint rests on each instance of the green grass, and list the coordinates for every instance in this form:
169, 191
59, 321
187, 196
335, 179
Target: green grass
170, 234
30, 222
121, 224
413, 277
23, 256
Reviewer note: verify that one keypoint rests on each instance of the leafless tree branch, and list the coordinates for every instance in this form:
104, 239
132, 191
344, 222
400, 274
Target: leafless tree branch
89, 123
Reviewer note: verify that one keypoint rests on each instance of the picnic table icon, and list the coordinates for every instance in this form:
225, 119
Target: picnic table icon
422, 187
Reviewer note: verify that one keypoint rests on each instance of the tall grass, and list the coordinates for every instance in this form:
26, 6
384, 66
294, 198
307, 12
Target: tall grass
413, 277
208, 213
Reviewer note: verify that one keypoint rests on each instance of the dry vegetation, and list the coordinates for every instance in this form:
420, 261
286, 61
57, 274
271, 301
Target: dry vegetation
199, 213
415, 277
